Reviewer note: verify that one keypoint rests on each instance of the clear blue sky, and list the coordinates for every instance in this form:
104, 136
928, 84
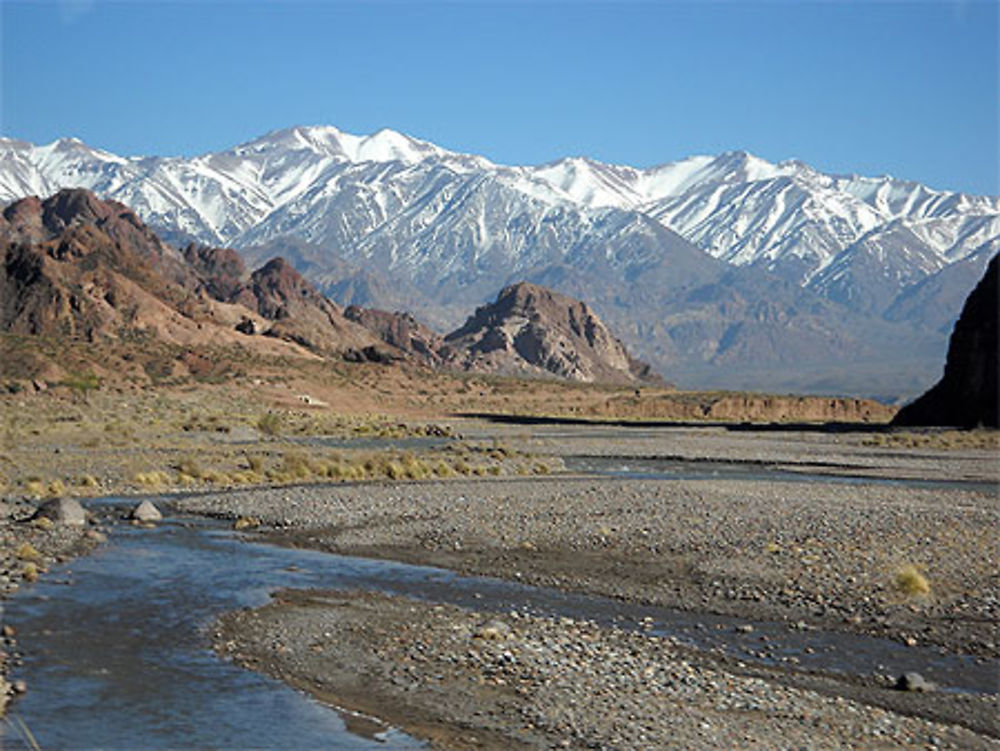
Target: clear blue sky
908, 89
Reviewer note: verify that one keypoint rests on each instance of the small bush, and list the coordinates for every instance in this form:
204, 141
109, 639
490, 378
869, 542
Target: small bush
88, 481
270, 424
34, 488
295, 465
189, 467
911, 582
27, 552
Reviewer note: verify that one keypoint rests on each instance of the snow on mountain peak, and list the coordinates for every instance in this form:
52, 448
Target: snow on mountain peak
329, 185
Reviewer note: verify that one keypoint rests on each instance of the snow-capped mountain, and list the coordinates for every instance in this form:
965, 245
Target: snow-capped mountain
448, 229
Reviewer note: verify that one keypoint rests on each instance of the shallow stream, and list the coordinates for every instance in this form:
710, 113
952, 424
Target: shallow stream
117, 648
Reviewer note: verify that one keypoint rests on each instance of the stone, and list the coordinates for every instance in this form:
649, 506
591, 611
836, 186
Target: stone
66, 511
146, 512
911, 681
494, 630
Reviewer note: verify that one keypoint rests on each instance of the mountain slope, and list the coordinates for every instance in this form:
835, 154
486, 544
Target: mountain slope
79, 267
397, 223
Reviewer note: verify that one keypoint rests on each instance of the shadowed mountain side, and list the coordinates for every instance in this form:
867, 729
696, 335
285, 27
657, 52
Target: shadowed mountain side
535, 331
967, 394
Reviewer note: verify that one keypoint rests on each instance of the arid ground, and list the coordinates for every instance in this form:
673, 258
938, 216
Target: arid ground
851, 532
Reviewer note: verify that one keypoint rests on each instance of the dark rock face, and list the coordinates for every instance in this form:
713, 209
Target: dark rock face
967, 394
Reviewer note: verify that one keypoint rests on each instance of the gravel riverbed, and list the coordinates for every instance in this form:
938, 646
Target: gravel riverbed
467, 681
917, 564
829, 555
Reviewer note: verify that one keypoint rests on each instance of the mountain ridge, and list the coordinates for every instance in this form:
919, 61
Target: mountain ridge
437, 232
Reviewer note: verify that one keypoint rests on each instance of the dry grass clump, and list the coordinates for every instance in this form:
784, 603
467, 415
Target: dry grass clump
87, 481
206, 423
910, 582
27, 552
153, 479
34, 488
270, 424
30, 572
981, 439
38, 488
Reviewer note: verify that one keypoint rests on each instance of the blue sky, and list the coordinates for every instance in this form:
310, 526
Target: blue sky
908, 89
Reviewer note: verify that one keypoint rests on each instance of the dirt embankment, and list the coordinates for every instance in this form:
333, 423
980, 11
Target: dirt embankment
744, 407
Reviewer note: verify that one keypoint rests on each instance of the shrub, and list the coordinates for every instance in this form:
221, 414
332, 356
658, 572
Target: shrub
270, 424
34, 488
152, 479
295, 465
911, 582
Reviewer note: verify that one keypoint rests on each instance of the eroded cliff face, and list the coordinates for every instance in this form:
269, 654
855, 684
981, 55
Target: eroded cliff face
738, 407
966, 396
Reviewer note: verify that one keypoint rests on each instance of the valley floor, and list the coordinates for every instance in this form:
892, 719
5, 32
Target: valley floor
858, 534
916, 564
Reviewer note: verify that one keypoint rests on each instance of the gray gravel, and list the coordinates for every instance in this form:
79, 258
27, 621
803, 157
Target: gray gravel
527, 682
826, 554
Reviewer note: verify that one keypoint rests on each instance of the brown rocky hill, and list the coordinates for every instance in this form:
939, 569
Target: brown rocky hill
298, 312
402, 331
76, 266
531, 330
967, 394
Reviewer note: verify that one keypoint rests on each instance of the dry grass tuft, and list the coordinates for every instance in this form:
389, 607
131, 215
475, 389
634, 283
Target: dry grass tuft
911, 582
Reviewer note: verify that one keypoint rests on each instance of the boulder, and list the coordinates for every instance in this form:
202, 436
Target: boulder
913, 682
66, 511
146, 512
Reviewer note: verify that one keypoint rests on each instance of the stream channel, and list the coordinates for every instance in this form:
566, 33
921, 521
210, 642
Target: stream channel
117, 650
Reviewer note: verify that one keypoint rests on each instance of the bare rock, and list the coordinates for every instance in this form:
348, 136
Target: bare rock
66, 511
913, 682
146, 512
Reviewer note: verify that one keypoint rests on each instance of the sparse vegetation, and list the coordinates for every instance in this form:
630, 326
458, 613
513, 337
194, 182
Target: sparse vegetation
910, 582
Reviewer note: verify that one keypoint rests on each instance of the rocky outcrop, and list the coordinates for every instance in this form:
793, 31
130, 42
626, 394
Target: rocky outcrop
301, 314
966, 396
74, 265
531, 330
401, 330
221, 270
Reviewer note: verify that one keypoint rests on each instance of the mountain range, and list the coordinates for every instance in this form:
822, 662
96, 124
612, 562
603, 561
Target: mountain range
76, 268
722, 271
